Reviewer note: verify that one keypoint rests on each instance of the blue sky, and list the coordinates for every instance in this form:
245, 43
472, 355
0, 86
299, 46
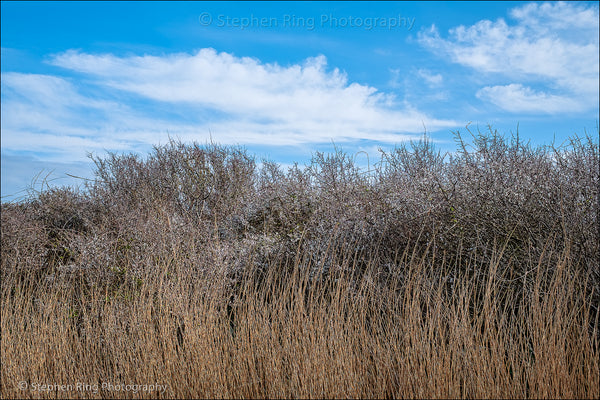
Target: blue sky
285, 79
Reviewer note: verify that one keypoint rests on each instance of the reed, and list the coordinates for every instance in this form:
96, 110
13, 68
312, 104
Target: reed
243, 282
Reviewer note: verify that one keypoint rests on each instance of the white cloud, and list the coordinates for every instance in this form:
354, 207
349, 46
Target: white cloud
48, 114
395, 78
560, 15
432, 80
517, 98
554, 44
120, 105
284, 99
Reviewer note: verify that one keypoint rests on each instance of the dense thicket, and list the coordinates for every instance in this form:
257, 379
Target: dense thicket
494, 245
491, 193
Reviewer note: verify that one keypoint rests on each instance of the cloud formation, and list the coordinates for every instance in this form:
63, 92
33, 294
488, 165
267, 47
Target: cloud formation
304, 103
120, 103
552, 46
50, 116
432, 80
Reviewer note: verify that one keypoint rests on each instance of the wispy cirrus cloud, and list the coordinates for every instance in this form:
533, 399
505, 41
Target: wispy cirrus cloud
548, 56
305, 102
431, 79
50, 116
118, 103
518, 98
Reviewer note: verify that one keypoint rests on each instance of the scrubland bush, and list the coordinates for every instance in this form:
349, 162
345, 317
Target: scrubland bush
466, 274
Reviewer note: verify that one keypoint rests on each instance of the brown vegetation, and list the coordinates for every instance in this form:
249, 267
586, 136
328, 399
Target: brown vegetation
467, 275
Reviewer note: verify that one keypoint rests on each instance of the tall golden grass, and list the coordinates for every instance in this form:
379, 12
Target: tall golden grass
287, 332
195, 273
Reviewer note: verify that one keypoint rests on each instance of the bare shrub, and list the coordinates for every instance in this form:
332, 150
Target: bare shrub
466, 274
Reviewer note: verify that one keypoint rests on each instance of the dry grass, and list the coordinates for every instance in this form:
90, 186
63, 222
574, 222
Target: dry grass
345, 289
